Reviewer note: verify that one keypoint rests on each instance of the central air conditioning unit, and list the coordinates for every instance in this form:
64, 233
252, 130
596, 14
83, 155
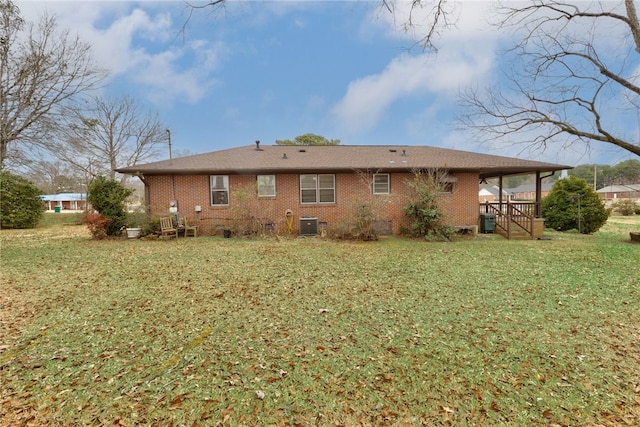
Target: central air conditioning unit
309, 226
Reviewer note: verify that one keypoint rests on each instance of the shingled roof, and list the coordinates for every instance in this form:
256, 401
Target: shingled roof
275, 159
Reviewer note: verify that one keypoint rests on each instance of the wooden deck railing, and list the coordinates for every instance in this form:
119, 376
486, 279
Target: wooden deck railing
509, 214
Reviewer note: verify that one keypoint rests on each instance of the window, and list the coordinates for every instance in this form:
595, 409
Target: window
317, 188
446, 187
219, 190
266, 185
381, 183
446, 183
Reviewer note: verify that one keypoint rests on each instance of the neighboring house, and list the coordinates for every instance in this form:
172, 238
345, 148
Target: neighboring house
528, 191
612, 192
282, 185
491, 193
65, 201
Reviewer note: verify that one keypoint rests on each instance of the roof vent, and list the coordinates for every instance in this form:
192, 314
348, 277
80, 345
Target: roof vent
302, 150
404, 152
284, 156
392, 150
258, 146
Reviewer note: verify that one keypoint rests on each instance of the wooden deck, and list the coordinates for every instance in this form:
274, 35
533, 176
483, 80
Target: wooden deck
514, 220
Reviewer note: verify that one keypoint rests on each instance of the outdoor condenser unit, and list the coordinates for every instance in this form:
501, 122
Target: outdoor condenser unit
309, 226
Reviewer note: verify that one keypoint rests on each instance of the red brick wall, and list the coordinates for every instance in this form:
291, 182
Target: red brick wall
461, 206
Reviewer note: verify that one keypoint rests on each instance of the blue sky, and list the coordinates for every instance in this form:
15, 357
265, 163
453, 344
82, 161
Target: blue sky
259, 70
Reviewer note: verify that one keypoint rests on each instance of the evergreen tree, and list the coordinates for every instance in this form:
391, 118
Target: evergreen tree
573, 204
20, 202
107, 196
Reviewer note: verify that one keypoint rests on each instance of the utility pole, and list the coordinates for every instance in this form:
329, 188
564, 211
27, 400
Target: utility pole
169, 136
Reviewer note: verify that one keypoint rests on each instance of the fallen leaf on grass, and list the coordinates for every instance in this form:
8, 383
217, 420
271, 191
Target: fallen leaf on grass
478, 393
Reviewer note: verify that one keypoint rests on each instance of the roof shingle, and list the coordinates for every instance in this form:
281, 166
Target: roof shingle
296, 159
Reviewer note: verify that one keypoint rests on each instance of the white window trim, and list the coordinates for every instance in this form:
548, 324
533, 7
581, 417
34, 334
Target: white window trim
317, 198
211, 189
274, 186
373, 183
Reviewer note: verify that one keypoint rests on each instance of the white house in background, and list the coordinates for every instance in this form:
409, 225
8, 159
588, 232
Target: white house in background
65, 201
528, 191
626, 191
490, 193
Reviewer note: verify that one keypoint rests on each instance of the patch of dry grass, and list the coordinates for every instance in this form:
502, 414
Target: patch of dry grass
261, 332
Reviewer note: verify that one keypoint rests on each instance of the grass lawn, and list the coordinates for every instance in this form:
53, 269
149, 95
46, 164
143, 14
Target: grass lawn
210, 331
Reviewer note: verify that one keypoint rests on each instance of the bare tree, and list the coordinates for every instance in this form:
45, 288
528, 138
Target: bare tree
106, 134
423, 19
574, 77
54, 177
41, 68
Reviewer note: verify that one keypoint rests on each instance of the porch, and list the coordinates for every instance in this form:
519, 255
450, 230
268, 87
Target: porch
515, 220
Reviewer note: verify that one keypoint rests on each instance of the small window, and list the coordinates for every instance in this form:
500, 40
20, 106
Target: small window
266, 185
446, 183
447, 187
317, 188
219, 190
381, 183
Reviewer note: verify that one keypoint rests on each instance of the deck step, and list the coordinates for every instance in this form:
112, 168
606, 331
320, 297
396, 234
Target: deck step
517, 233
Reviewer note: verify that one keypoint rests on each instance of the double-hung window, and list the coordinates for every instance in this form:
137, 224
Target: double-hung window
381, 183
219, 190
266, 185
320, 188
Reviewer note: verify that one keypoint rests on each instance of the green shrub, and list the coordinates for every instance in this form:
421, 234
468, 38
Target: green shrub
625, 207
424, 210
20, 202
151, 227
107, 197
573, 204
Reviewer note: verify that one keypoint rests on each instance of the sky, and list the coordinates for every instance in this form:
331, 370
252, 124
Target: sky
268, 70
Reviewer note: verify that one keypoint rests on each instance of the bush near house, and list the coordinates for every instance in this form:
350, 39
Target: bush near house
107, 196
625, 207
573, 205
20, 202
359, 226
424, 209
97, 225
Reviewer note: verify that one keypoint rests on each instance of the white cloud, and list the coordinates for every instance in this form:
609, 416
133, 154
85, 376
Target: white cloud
139, 45
369, 97
465, 56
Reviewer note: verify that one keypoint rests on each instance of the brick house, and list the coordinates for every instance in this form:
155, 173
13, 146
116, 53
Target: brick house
613, 192
282, 185
528, 191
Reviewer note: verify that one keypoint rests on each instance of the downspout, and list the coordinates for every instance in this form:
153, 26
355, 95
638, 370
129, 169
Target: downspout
539, 192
